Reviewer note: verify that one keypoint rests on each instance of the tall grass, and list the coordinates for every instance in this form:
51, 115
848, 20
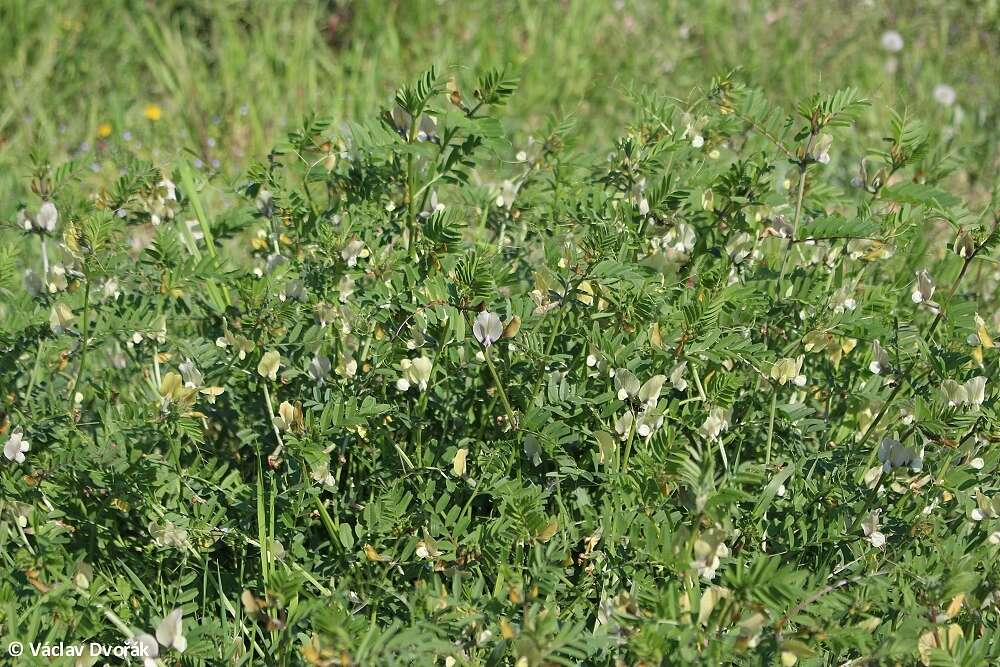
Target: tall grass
231, 76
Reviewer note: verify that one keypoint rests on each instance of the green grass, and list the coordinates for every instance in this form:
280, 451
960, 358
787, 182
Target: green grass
231, 77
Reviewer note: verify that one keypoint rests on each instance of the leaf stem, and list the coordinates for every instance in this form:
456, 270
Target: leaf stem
770, 428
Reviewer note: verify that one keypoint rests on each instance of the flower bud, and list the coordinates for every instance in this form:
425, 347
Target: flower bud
964, 245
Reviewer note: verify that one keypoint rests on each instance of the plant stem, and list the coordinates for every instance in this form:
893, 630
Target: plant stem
45, 262
411, 217
262, 523
499, 386
83, 343
327, 521
628, 446
418, 436
273, 456
803, 164
795, 227
872, 494
34, 370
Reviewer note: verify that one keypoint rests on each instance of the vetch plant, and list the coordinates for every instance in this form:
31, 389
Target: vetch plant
439, 387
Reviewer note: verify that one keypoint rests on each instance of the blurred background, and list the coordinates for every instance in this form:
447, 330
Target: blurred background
222, 80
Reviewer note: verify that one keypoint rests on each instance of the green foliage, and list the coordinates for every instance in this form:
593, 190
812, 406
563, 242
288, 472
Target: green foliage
717, 391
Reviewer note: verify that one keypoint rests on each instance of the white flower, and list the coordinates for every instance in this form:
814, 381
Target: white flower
487, 328
47, 217
60, 318
24, 220
880, 359
822, 148
893, 454
649, 393
507, 194
945, 94
169, 190
16, 446
623, 425
677, 376
780, 227
353, 250
954, 393
628, 386
433, 205
427, 131
693, 128
986, 508
285, 418
294, 290
192, 376
319, 367
161, 204
870, 526
415, 371
923, 289
426, 548
716, 422
648, 422
843, 301
681, 238
626, 383
892, 41
169, 633
265, 203
146, 648
111, 289
789, 370
57, 279
169, 535
975, 390
709, 549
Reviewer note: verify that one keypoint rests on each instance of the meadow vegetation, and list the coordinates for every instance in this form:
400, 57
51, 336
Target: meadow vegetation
570, 333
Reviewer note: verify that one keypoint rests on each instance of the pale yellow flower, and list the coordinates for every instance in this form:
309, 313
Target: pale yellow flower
268, 366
